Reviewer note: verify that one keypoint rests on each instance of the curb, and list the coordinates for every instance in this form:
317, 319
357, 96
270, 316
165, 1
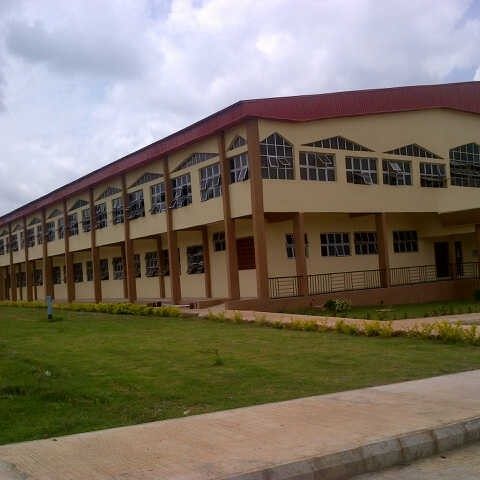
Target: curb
398, 450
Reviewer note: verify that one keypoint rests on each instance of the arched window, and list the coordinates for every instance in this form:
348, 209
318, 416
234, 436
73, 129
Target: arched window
276, 157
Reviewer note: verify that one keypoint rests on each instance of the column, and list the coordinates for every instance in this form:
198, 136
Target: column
172, 240
13, 276
258, 214
477, 246
161, 267
300, 257
3, 293
129, 262
206, 263
35, 288
382, 242
125, 275
20, 288
47, 262
233, 281
28, 266
94, 250
68, 256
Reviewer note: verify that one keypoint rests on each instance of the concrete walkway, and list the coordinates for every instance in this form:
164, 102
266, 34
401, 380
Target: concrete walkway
244, 441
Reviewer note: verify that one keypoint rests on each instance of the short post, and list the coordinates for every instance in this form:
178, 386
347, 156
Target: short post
49, 307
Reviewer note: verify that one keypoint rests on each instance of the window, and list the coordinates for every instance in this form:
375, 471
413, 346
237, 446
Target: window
86, 220
195, 158
465, 165
317, 166
151, 264
165, 266
158, 197
361, 170
137, 265
30, 237
365, 243
276, 155
78, 204
432, 175
335, 244
219, 242
39, 234
2, 246
195, 259
14, 243
146, 178
101, 215
50, 231
246, 253
109, 192
64, 269
104, 274
57, 275
77, 272
405, 241
73, 224
136, 205
237, 142
117, 211
396, 172
61, 228
210, 182
239, 168
22, 239
413, 150
290, 245
37, 277
118, 268
181, 191
338, 143
89, 269
21, 279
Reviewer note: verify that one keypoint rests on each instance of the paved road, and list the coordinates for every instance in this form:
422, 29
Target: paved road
463, 464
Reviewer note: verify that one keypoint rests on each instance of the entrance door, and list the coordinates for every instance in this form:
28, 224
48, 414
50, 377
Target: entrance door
459, 258
441, 259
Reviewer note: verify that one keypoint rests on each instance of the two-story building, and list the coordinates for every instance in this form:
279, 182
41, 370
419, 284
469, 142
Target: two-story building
267, 204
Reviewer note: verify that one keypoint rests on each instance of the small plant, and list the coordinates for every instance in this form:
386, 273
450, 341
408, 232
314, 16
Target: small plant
338, 305
218, 360
238, 318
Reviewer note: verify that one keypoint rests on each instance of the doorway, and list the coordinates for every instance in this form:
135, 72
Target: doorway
442, 261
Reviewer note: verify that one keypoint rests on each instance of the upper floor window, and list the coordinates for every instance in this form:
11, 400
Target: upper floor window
338, 143
336, 244
210, 182
50, 231
317, 166
237, 142
290, 245
405, 241
276, 155
73, 224
39, 234
30, 237
158, 197
101, 215
361, 170
195, 259
117, 211
61, 228
239, 168
14, 243
136, 205
22, 239
413, 150
219, 242
2, 246
86, 220
465, 165
365, 243
432, 175
396, 172
181, 191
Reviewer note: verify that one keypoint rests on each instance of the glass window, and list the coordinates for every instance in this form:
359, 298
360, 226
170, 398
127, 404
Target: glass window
40, 234
405, 241
465, 165
195, 259
181, 191
335, 244
158, 197
57, 275
151, 264
239, 168
361, 170
72, 224
37, 277
210, 182
118, 268
77, 272
22, 239
276, 156
2, 246
117, 211
104, 274
432, 175
14, 243
365, 243
136, 205
137, 265
317, 166
396, 172
86, 220
101, 215
30, 237
60, 228
290, 245
50, 231
219, 244
89, 271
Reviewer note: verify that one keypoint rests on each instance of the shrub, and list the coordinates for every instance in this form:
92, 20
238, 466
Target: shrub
338, 305
348, 328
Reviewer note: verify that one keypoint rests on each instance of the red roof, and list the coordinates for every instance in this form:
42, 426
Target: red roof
464, 97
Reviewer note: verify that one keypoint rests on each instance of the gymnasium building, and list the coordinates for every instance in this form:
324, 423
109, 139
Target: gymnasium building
369, 195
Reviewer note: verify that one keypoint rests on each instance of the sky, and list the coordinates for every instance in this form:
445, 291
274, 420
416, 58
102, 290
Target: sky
84, 82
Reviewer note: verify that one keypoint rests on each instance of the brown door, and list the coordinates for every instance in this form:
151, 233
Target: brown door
442, 261
246, 253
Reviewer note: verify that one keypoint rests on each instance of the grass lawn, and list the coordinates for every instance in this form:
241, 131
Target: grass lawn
92, 371
399, 312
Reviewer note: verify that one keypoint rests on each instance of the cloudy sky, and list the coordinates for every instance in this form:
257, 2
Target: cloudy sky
83, 82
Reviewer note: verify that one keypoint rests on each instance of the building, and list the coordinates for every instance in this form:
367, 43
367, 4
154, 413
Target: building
270, 203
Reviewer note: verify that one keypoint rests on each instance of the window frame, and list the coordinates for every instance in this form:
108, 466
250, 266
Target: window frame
210, 182
365, 243
358, 175
314, 166
405, 241
335, 244
391, 176
195, 259
181, 191
277, 158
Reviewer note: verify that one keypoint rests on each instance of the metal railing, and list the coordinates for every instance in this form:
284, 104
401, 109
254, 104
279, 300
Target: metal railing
321, 283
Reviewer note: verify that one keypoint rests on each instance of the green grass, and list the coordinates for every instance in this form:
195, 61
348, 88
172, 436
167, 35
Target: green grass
90, 371
400, 312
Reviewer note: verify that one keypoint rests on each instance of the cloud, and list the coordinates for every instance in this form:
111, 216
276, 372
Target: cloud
84, 85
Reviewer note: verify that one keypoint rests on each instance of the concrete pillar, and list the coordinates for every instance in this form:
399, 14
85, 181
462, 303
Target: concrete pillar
68, 256
161, 266
300, 258
206, 263
129, 262
94, 251
382, 242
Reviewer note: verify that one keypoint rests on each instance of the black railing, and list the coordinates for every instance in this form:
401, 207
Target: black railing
321, 283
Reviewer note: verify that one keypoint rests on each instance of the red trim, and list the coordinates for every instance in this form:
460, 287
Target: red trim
464, 97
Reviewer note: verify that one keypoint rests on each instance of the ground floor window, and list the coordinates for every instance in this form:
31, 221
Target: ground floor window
21, 279
37, 277
290, 245
137, 265
104, 273
246, 253
57, 275
118, 268
77, 272
365, 243
219, 242
405, 241
195, 262
151, 264
335, 244
89, 269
